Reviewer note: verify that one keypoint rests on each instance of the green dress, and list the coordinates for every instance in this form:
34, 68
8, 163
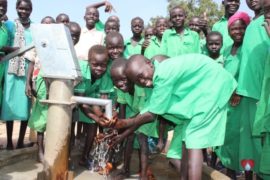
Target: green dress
254, 54
3, 42
261, 124
195, 91
222, 27
38, 118
131, 50
235, 141
88, 88
154, 48
174, 44
14, 90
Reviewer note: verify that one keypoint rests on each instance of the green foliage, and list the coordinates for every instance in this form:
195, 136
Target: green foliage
198, 8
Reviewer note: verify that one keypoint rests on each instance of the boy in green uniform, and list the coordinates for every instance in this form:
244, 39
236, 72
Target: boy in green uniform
214, 43
179, 40
252, 65
132, 99
114, 43
231, 6
89, 87
154, 46
261, 125
184, 95
111, 26
134, 44
199, 25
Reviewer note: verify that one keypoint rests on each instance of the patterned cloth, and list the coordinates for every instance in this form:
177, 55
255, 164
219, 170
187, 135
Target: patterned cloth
17, 64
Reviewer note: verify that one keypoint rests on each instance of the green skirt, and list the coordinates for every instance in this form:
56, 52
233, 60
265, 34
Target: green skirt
239, 143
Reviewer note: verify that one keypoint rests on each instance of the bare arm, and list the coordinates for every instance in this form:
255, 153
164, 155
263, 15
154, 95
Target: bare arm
28, 87
107, 4
136, 121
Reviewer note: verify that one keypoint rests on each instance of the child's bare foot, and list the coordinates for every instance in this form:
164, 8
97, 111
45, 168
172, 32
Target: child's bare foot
9, 146
149, 175
40, 157
20, 146
122, 174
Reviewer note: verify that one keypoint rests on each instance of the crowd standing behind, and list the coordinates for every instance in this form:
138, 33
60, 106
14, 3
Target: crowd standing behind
209, 85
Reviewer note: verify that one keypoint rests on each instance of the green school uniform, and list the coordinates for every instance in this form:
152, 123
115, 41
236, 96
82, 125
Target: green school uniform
38, 118
133, 102
107, 86
237, 137
220, 60
154, 48
222, 27
3, 42
149, 129
203, 46
87, 87
175, 149
261, 124
99, 26
131, 50
174, 44
14, 87
195, 91
254, 53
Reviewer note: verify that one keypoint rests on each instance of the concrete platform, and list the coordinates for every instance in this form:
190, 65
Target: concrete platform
22, 165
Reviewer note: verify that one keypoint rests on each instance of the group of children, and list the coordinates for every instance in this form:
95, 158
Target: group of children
211, 87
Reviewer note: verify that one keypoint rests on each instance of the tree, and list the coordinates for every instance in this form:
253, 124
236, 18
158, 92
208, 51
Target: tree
198, 8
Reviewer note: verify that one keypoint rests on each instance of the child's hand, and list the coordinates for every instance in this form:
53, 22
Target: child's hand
108, 7
145, 44
28, 90
120, 124
117, 139
105, 122
203, 24
235, 99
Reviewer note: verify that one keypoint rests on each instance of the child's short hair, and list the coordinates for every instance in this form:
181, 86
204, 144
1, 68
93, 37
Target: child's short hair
27, 1
119, 62
111, 20
137, 18
60, 15
48, 17
214, 33
111, 35
97, 49
73, 24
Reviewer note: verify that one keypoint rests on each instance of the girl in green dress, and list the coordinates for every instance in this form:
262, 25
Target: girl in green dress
235, 140
16, 70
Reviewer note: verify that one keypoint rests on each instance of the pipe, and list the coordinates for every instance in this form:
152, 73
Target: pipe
95, 101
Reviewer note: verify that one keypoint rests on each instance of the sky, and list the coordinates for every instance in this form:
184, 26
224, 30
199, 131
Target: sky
125, 9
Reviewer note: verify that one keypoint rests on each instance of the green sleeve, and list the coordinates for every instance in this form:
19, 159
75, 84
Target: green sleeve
121, 97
